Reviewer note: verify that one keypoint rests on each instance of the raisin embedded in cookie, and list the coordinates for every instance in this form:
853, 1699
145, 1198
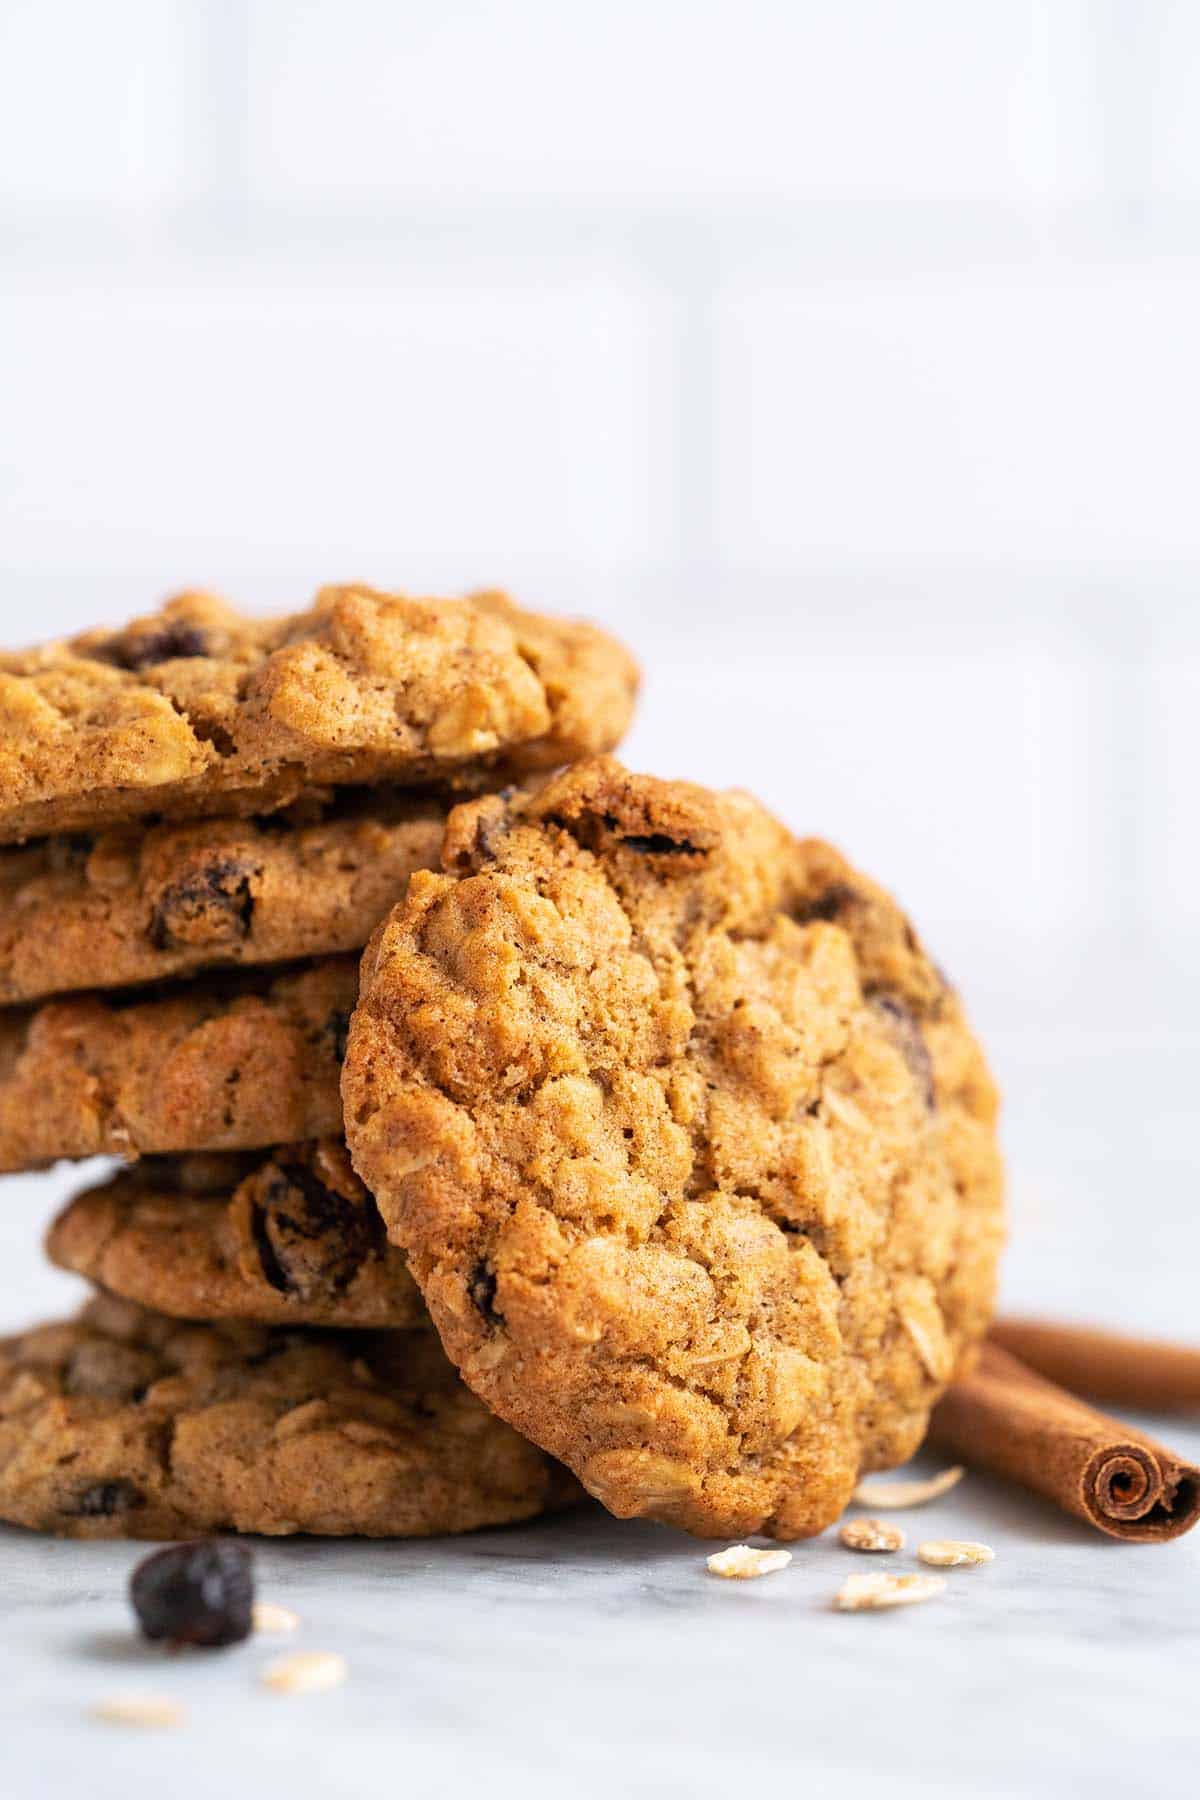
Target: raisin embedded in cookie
689, 1145
144, 903
292, 1237
199, 709
127, 1424
222, 1066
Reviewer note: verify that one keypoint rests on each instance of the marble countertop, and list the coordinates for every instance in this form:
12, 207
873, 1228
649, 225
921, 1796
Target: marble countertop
591, 1658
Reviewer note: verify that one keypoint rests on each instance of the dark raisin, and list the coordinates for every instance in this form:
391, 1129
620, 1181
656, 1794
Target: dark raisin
200, 1594
591, 830
481, 1286
904, 1029
657, 843
488, 833
651, 843
274, 1273
486, 838
208, 906
104, 1499
150, 647
828, 905
322, 1208
310, 1239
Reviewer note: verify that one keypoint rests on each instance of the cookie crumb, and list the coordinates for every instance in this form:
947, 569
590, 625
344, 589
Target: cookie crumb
272, 1619
893, 1494
306, 1672
741, 1563
149, 1710
951, 1553
871, 1534
872, 1593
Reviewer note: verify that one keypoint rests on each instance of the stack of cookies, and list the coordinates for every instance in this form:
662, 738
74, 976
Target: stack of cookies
645, 1145
206, 816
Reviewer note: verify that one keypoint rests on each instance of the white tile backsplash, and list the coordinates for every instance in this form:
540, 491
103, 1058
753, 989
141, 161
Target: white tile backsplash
448, 101
844, 358
1172, 58
90, 109
1044, 416
169, 428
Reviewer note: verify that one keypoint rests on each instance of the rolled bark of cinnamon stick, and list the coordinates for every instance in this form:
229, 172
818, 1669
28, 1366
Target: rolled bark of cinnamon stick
1106, 1365
1005, 1418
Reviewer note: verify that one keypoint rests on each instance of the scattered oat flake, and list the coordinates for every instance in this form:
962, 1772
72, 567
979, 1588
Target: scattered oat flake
871, 1534
950, 1553
893, 1494
151, 1710
741, 1563
273, 1619
305, 1672
873, 1593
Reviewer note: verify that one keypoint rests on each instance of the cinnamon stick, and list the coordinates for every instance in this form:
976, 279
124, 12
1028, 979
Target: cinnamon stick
1129, 1371
1008, 1419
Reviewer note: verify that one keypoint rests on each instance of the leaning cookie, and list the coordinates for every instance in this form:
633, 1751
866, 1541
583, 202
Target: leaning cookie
688, 1142
145, 903
126, 1424
214, 1066
293, 1238
198, 709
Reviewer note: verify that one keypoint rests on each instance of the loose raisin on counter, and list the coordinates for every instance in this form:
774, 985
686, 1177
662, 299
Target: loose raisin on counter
198, 1594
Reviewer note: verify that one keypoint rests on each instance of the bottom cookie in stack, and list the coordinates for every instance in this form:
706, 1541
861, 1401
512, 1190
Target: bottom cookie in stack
125, 1423
257, 1358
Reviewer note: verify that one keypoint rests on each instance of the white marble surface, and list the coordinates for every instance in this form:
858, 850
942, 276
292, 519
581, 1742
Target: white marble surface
593, 1658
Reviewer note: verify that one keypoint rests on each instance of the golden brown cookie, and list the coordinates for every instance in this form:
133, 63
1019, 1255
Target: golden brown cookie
199, 710
212, 1066
688, 1142
143, 903
126, 1424
289, 1237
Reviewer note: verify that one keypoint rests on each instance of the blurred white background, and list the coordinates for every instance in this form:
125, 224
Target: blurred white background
842, 357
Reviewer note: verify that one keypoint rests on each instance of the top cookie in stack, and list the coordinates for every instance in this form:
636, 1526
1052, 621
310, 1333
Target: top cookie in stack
198, 710
204, 816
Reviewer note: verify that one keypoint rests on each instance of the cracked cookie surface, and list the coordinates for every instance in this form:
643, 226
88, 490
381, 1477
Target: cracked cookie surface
123, 1423
292, 1238
213, 1066
198, 709
144, 903
688, 1142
